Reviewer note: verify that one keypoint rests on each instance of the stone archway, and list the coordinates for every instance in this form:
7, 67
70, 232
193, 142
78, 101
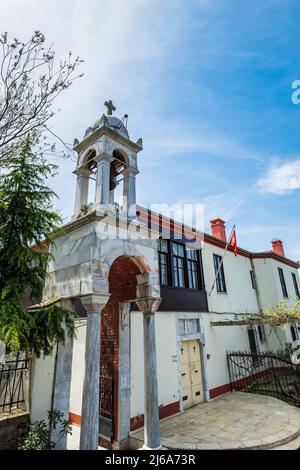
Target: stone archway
147, 298
115, 357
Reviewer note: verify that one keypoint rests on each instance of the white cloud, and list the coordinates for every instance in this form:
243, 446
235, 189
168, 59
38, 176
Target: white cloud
281, 179
226, 206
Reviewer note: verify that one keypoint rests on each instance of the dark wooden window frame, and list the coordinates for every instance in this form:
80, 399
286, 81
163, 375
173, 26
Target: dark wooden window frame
186, 262
166, 255
262, 333
221, 275
296, 285
282, 282
294, 332
178, 265
193, 271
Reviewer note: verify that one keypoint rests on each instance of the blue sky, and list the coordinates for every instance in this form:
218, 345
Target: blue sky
206, 83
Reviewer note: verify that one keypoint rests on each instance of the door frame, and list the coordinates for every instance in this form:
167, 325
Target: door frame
201, 339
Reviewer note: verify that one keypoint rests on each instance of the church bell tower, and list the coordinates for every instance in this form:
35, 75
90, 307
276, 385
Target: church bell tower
107, 155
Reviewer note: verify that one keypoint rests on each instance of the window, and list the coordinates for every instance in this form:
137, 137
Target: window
189, 327
282, 282
178, 264
294, 332
192, 269
219, 272
163, 250
261, 333
252, 279
296, 285
253, 342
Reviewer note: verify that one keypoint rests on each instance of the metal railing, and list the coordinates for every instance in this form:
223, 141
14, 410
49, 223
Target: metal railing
13, 373
265, 374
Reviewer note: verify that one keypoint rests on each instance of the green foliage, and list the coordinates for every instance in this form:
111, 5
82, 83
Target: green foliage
39, 436
282, 313
27, 219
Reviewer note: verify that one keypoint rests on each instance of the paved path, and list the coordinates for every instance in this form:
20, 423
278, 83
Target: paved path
233, 421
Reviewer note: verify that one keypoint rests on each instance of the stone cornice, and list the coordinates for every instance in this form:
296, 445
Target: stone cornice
109, 217
90, 139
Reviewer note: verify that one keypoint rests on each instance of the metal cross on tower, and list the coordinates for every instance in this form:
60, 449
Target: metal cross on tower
110, 107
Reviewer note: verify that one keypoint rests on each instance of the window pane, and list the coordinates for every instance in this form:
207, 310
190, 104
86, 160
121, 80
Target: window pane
282, 281
180, 250
293, 332
174, 248
219, 272
181, 277
295, 285
191, 254
163, 269
193, 275
175, 272
163, 246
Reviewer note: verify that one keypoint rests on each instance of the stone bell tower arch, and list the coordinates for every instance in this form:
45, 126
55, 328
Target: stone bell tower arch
109, 156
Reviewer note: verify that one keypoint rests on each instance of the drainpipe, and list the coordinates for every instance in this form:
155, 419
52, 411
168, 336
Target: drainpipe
258, 297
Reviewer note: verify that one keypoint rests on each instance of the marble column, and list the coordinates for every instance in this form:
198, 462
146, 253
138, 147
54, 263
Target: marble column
148, 307
62, 386
82, 188
89, 431
129, 191
124, 375
62, 380
102, 192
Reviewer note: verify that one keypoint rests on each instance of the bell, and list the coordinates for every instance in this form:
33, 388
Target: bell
112, 184
113, 177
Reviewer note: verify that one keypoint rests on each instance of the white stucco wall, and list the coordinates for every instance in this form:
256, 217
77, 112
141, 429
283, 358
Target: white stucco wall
269, 282
78, 368
240, 296
167, 374
41, 388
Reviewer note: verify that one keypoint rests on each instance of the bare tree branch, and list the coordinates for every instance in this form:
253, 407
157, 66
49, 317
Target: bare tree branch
31, 83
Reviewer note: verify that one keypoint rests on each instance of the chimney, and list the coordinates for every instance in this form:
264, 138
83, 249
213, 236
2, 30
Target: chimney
277, 247
218, 229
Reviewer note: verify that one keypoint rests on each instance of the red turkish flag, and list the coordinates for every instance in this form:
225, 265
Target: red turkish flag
233, 243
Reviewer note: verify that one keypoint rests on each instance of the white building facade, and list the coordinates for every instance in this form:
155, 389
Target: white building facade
118, 252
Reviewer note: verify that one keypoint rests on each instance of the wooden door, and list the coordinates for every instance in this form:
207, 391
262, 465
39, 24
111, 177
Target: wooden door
191, 373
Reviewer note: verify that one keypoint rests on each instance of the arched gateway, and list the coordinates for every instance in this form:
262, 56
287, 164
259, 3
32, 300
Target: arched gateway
105, 263
115, 380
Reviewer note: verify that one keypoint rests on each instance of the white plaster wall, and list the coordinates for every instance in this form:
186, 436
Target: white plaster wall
42, 384
269, 282
266, 282
287, 271
240, 296
167, 375
219, 340
78, 368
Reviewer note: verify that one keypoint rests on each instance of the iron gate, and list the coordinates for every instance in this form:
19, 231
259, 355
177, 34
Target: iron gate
106, 389
12, 382
265, 374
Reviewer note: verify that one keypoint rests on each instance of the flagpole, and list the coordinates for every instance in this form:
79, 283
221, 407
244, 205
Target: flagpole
221, 264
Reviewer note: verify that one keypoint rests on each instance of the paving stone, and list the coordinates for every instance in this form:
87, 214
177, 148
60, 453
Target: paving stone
234, 420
